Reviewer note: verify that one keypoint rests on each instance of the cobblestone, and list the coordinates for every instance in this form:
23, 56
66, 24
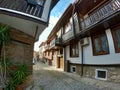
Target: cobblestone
48, 78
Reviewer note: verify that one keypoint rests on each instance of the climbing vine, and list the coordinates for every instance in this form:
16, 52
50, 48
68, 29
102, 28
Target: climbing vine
4, 38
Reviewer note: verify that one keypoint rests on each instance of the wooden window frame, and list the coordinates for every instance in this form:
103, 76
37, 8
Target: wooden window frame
99, 34
117, 49
75, 50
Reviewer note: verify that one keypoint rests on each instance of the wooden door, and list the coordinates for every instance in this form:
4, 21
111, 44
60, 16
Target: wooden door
61, 62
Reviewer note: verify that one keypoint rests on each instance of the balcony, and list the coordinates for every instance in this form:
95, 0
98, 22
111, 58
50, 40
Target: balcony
28, 16
55, 43
47, 47
106, 12
22, 7
68, 36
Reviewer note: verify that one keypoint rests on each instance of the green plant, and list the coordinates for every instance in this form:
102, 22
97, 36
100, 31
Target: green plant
21, 73
11, 85
4, 34
4, 38
8, 63
17, 77
11, 77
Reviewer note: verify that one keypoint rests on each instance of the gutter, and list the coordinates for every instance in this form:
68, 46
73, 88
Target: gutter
36, 31
82, 57
73, 23
65, 61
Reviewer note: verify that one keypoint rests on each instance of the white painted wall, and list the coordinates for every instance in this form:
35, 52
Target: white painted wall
27, 26
111, 58
55, 59
23, 25
73, 59
46, 10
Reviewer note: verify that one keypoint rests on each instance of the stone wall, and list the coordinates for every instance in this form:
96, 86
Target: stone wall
113, 72
78, 68
89, 71
20, 48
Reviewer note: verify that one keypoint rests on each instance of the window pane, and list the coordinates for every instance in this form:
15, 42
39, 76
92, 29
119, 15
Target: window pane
117, 34
104, 43
97, 45
73, 69
102, 74
74, 52
67, 27
40, 2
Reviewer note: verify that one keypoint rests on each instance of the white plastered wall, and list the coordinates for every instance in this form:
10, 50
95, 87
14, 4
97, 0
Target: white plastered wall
88, 58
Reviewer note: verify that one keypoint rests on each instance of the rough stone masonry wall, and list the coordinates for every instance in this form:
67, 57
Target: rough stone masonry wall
20, 48
78, 68
113, 72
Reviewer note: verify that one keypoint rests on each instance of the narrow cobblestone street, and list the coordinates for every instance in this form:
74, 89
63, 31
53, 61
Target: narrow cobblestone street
47, 78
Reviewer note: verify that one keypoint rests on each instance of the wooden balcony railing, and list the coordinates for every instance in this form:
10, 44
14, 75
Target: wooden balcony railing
22, 7
47, 47
68, 35
52, 43
56, 42
107, 10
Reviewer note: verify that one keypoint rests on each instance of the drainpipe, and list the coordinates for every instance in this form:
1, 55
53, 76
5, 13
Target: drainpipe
82, 57
36, 31
65, 61
73, 24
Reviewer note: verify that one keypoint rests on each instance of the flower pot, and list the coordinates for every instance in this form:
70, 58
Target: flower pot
20, 87
1, 88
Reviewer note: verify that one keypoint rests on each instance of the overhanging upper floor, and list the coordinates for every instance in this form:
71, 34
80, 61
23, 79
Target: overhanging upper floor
29, 16
105, 16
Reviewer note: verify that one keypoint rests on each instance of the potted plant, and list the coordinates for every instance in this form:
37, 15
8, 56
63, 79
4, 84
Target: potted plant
11, 77
17, 77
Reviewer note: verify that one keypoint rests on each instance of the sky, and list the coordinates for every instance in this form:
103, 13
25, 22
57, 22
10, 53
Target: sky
56, 13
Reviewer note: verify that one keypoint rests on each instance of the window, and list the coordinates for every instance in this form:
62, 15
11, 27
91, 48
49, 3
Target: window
36, 2
116, 38
59, 33
40, 2
74, 51
76, 23
101, 74
100, 44
68, 26
73, 69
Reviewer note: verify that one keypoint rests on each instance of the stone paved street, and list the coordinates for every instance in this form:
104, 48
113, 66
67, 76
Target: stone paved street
47, 78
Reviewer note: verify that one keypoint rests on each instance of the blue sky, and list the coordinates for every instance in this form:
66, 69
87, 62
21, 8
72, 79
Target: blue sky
56, 13
60, 7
